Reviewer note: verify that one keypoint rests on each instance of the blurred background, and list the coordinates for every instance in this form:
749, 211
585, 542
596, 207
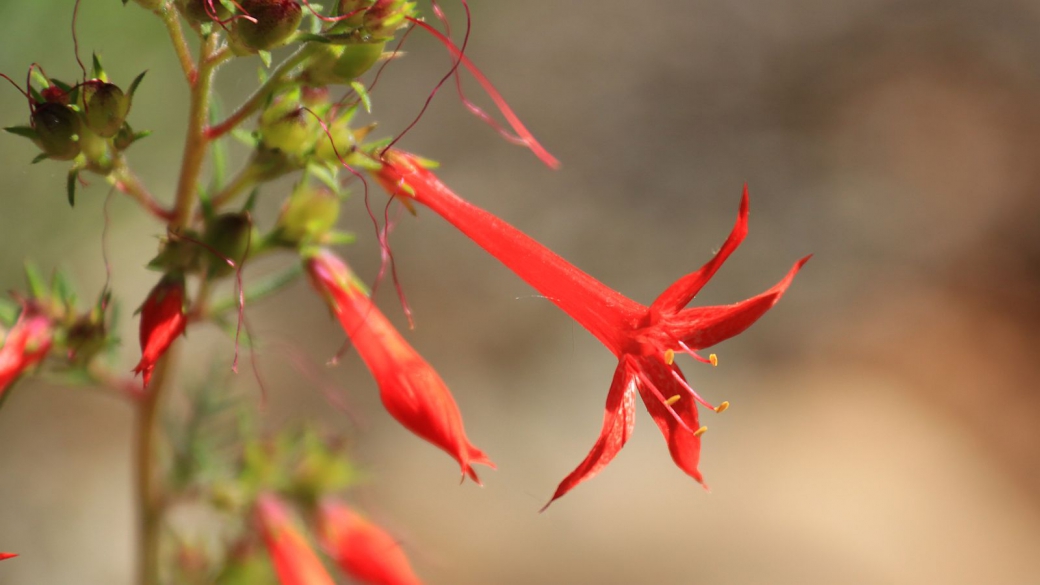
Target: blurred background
885, 425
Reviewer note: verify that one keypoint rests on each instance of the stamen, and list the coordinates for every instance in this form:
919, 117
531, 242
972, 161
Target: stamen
713, 359
672, 400
700, 431
722, 407
684, 384
665, 402
669, 357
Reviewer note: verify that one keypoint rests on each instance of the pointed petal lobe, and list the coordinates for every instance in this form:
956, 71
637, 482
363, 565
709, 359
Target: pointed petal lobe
684, 445
618, 421
702, 327
682, 291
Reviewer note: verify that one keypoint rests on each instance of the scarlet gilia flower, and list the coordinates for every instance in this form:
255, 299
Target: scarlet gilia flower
26, 344
411, 390
293, 559
162, 321
361, 549
4, 556
644, 339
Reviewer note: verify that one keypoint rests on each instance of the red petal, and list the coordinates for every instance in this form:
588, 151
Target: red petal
682, 291
702, 327
411, 390
162, 321
618, 421
4, 556
27, 343
361, 549
605, 312
684, 445
293, 559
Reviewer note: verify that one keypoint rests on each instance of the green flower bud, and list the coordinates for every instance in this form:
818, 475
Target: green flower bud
276, 21
203, 11
229, 235
308, 215
341, 64
104, 107
285, 126
57, 130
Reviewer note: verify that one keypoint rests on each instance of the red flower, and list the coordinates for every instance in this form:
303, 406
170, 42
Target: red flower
411, 390
4, 556
162, 320
363, 550
27, 343
293, 559
644, 339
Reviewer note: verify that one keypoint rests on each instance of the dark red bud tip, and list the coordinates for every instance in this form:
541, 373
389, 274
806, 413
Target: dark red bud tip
271, 22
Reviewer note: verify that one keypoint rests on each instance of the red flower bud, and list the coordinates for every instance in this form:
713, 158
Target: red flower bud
293, 559
26, 344
162, 321
4, 556
411, 390
361, 549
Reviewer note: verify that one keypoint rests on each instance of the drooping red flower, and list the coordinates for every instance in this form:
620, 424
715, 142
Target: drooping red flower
4, 556
26, 344
162, 321
363, 550
644, 339
294, 560
411, 390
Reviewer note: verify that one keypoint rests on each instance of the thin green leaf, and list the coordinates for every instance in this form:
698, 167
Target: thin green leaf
265, 57
37, 285
40, 158
70, 186
362, 93
99, 71
23, 131
136, 82
312, 38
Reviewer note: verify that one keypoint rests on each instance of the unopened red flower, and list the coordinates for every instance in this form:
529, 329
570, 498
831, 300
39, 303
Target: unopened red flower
294, 560
644, 339
4, 556
162, 321
26, 344
363, 550
411, 390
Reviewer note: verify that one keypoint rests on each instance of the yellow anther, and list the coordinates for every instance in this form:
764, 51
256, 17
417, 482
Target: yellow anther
722, 407
700, 431
669, 357
714, 359
672, 400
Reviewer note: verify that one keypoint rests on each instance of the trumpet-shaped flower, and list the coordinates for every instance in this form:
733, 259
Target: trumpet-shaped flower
26, 344
411, 390
162, 321
294, 560
361, 549
645, 339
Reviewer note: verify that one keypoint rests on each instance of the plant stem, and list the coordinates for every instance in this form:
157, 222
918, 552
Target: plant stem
180, 45
195, 144
149, 500
246, 178
122, 178
253, 103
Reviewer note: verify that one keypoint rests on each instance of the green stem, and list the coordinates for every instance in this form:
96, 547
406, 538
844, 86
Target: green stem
172, 20
253, 103
122, 178
149, 498
195, 144
246, 178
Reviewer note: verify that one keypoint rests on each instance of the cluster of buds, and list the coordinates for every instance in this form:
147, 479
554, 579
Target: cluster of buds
85, 123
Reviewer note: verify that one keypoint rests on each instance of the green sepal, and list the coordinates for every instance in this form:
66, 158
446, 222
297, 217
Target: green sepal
362, 93
337, 238
23, 131
312, 38
9, 310
99, 71
62, 289
136, 82
70, 186
37, 285
40, 158
246, 137
265, 57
